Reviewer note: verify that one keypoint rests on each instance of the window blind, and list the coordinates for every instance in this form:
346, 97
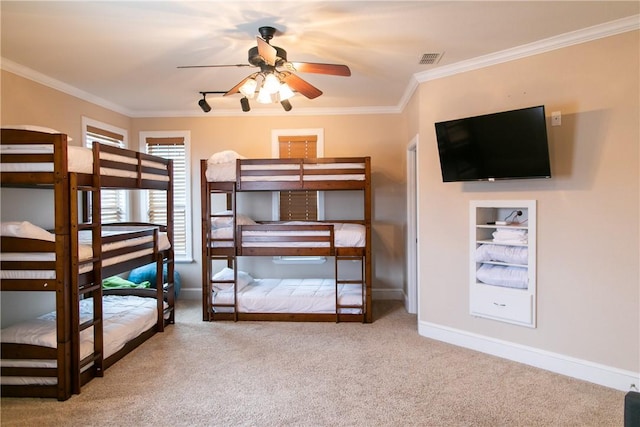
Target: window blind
298, 205
113, 202
171, 148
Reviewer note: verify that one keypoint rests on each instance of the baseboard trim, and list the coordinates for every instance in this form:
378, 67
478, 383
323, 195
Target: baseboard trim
190, 294
387, 294
585, 370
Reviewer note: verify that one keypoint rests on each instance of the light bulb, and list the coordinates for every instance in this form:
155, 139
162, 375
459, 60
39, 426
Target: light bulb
264, 96
248, 89
285, 92
271, 83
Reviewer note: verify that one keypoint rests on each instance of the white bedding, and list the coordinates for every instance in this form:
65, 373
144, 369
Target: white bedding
125, 317
347, 235
223, 172
508, 235
80, 160
503, 253
291, 296
25, 229
507, 276
221, 167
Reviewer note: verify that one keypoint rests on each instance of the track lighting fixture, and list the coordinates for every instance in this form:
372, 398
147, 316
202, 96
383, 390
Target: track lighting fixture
204, 104
244, 102
286, 105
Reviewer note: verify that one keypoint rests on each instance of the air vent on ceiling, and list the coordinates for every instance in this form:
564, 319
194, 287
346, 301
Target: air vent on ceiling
430, 58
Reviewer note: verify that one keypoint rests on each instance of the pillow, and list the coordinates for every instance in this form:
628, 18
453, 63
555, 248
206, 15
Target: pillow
503, 253
227, 274
34, 128
223, 222
226, 156
499, 275
147, 273
25, 229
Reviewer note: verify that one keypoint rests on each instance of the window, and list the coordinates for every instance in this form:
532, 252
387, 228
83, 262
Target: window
114, 203
174, 146
291, 205
298, 205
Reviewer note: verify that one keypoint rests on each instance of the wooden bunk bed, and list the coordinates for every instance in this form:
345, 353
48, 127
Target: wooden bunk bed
72, 260
230, 294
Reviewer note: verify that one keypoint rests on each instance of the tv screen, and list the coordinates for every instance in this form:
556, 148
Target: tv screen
506, 145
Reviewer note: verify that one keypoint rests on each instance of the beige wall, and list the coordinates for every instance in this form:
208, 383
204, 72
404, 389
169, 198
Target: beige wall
27, 103
380, 136
588, 244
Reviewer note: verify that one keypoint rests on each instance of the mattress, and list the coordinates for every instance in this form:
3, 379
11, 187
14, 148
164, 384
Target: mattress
125, 318
80, 160
291, 296
224, 172
347, 235
85, 249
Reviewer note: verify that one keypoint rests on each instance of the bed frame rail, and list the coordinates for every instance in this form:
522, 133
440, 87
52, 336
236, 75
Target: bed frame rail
344, 173
285, 240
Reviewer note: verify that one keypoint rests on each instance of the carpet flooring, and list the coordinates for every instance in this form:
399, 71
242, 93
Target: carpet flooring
318, 374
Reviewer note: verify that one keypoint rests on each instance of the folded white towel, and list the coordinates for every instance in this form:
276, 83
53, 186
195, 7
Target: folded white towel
510, 236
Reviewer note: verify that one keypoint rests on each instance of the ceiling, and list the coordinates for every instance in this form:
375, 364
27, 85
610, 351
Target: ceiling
124, 55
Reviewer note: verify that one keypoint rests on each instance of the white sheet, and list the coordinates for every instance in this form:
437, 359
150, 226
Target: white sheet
510, 236
85, 249
223, 172
125, 317
346, 235
499, 275
291, 296
503, 253
80, 160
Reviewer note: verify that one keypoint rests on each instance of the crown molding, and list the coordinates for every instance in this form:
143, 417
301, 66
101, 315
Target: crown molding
584, 35
28, 73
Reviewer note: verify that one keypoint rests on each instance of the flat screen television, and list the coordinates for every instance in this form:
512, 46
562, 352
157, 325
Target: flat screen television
505, 145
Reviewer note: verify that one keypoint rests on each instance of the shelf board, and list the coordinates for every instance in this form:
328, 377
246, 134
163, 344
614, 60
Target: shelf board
493, 242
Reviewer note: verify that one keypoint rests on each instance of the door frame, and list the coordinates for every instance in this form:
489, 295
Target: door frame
413, 267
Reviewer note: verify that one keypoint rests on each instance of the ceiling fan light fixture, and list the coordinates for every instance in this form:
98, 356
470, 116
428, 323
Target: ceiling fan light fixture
271, 83
264, 96
285, 92
248, 89
277, 78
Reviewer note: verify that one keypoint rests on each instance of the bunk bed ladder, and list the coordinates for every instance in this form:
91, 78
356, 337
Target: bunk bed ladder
339, 259
169, 258
212, 253
168, 287
87, 285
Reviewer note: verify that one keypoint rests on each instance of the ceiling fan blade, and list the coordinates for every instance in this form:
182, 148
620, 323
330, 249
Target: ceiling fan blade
266, 51
237, 87
213, 66
311, 67
302, 86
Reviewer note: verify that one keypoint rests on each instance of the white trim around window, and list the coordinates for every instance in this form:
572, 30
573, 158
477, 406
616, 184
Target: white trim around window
186, 254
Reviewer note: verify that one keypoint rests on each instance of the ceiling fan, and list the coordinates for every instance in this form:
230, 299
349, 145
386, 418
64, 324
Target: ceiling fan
276, 80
